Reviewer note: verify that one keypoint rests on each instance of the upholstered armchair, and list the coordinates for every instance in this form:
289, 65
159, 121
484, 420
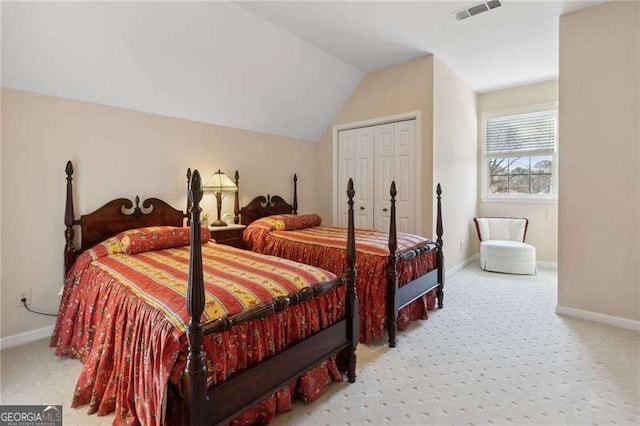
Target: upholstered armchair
502, 246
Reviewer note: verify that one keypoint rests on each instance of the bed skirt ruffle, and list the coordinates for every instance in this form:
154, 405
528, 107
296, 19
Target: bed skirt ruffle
131, 352
371, 282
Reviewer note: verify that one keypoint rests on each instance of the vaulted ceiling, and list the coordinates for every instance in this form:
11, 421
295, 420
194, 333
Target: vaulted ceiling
514, 44
208, 62
284, 68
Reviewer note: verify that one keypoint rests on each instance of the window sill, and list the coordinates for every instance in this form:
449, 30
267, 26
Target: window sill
520, 200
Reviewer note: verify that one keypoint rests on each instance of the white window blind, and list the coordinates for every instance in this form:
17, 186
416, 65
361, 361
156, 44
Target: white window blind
520, 134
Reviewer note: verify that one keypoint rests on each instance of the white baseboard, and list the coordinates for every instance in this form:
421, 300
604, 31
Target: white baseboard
459, 267
26, 337
601, 318
545, 264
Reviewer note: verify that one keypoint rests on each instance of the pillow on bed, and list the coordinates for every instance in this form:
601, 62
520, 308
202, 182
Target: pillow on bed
157, 238
288, 222
292, 223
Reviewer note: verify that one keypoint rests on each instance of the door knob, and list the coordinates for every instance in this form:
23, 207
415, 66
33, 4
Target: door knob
361, 208
385, 210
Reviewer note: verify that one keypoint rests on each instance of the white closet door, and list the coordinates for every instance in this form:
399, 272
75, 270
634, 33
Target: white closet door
384, 173
405, 175
363, 179
374, 156
355, 156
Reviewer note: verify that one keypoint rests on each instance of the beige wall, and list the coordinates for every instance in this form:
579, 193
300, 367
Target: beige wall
455, 160
516, 97
117, 153
449, 126
542, 215
401, 88
599, 227
1, 149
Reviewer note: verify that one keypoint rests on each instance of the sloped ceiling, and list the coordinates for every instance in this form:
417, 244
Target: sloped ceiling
514, 44
208, 62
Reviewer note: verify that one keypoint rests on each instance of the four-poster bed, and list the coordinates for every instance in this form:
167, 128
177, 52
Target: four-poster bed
408, 268
190, 333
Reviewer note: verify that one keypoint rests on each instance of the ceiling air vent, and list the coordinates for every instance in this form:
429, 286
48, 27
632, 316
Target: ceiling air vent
476, 9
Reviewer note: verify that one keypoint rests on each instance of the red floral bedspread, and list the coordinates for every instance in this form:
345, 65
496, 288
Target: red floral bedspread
124, 316
300, 238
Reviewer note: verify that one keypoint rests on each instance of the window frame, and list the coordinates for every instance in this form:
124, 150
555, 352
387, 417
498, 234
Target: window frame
484, 158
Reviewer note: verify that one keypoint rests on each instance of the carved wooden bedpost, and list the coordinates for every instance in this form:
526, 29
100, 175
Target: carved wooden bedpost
440, 243
392, 273
352, 297
188, 212
236, 201
295, 193
69, 220
195, 377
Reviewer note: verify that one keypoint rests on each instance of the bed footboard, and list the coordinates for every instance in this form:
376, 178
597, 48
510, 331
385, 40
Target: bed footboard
439, 229
399, 297
202, 406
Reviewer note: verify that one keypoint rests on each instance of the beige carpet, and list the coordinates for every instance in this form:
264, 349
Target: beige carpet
497, 354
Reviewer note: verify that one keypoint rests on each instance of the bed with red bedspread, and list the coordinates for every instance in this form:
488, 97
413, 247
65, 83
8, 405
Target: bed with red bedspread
302, 238
123, 315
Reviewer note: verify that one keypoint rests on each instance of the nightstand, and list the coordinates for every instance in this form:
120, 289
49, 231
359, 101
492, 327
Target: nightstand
230, 235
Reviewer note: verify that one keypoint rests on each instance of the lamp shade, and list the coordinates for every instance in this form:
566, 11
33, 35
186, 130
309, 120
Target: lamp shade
219, 182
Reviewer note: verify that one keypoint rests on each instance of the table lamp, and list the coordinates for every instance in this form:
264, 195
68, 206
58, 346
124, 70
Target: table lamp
219, 184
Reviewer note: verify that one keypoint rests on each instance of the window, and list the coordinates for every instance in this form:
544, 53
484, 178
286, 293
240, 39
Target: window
519, 153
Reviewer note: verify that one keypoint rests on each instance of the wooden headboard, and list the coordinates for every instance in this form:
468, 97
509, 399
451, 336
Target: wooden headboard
262, 206
114, 217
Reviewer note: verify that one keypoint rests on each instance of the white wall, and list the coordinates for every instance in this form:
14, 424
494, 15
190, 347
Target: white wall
117, 153
455, 160
543, 215
599, 226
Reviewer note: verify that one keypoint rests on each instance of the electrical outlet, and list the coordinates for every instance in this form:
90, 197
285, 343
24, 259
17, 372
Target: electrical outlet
21, 295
